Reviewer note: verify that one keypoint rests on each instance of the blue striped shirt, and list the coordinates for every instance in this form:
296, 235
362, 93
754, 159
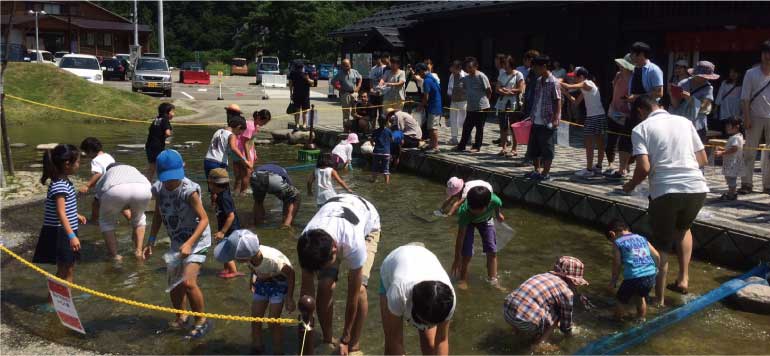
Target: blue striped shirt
67, 189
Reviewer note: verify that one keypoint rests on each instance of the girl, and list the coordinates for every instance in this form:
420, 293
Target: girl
245, 143
732, 157
323, 176
160, 129
342, 154
272, 284
58, 242
222, 141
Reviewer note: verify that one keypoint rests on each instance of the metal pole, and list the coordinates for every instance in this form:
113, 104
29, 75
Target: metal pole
160, 30
136, 25
37, 40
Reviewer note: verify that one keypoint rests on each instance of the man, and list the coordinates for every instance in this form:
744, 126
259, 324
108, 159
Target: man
431, 103
755, 99
406, 124
529, 79
345, 229
299, 89
698, 86
364, 114
348, 82
478, 91
274, 179
459, 102
546, 115
414, 286
647, 78
375, 75
668, 150
542, 302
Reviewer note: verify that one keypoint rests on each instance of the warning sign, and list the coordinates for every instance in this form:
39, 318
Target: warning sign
65, 308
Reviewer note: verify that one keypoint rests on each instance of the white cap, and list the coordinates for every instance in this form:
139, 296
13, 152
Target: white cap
240, 245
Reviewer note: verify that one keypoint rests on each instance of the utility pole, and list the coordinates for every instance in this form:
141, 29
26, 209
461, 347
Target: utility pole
3, 125
161, 47
37, 34
136, 25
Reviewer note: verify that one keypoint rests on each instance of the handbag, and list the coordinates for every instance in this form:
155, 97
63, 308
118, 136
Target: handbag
291, 109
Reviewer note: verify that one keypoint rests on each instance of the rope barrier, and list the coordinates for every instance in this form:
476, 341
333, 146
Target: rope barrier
148, 306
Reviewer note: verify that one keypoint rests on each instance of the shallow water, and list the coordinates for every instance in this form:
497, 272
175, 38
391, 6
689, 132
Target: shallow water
406, 209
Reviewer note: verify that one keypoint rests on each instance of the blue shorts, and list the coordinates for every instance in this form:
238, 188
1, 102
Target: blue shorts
272, 291
635, 287
488, 238
381, 163
209, 165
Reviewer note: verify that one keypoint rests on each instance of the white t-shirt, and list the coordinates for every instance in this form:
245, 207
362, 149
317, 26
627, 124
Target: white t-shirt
593, 100
324, 187
732, 165
99, 163
752, 82
348, 219
475, 183
508, 82
344, 150
219, 144
273, 261
670, 141
404, 268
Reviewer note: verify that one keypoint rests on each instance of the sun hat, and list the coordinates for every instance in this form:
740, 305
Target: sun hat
352, 138
570, 268
240, 245
219, 176
170, 165
454, 186
625, 62
705, 70
234, 108
681, 63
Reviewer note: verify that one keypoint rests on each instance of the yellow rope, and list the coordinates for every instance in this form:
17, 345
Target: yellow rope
146, 305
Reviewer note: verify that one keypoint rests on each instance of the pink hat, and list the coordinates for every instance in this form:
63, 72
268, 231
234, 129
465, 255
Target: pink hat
352, 138
454, 185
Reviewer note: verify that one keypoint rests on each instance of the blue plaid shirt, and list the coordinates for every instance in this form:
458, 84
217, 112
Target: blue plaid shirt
543, 299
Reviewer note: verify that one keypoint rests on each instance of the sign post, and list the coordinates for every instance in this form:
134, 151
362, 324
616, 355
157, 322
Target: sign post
65, 307
219, 75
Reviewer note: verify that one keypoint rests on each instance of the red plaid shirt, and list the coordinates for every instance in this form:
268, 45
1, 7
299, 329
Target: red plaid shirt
543, 300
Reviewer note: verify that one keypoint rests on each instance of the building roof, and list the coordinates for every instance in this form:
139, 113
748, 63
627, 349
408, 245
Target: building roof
104, 25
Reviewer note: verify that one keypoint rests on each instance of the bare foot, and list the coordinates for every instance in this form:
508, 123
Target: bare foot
462, 285
545, 348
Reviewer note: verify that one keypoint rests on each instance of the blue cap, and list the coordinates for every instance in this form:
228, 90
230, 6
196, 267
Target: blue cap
170, 165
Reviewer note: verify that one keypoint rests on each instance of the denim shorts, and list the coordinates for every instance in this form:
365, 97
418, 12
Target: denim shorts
263, 182
635, 287
381, 163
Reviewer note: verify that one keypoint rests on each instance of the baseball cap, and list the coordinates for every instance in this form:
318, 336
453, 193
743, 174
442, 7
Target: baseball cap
219, 176
570, 268
352, 138
170, 165
454, 185
681, 63
240, 245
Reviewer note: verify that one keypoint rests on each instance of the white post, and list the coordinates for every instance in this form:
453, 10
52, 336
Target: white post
161, 47
37, 40
136, 25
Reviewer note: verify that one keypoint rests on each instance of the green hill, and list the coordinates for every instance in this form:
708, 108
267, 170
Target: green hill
47, 84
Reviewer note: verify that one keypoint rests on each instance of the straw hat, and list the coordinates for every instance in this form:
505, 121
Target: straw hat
233, 108
625, 62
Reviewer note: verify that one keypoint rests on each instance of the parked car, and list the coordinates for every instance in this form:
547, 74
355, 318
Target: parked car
266, 68
151, 54
193, 73
123, 56
151, 75
58, 55
84, 66
239, 66
326, 71
269, 59
46, 56
115, 68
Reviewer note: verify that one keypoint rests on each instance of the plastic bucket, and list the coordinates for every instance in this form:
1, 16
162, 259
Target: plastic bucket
521, 131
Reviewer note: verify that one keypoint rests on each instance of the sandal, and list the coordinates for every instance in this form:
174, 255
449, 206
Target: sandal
744, 190
512, 154
728, 197
179, 324
199, 331
228, 275
502, 153
676, 288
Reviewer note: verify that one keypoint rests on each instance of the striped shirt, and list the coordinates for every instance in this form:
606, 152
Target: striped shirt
544, 299
67, 189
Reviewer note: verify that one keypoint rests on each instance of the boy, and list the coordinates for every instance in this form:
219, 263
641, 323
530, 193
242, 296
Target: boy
457, 191
227, 219
595, 122
477, 212
92, 147
639, 269
178, 203
381, 138
159, 131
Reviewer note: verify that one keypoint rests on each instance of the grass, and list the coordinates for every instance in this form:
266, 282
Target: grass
50, 85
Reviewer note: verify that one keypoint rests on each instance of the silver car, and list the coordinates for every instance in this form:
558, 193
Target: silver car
151, 74
266, 68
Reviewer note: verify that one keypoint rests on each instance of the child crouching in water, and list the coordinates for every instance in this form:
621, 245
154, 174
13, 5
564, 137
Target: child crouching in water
58, 242
732, 157
322, 176
382, 139
272, 282
639, 261
178, 204
227, 218
457, 191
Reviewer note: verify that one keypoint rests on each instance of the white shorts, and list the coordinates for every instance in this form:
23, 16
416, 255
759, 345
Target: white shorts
133, 196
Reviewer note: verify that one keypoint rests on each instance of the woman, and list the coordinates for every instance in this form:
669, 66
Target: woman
618, 130
394, 93
728, 99
680, 71
510, 83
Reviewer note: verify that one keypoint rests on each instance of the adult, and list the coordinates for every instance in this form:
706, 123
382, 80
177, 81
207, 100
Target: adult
375, 75
431, 103
526, 62
680, 71
394, 86
618, 124
477, 91
456, 92
299, 91
546, 115
595, 121
510, 83
345, 230
408, 125
529, 79
668, 150
558, 71
545, 301
414, 286
348, 82
699, 87
364, 114
274, 179
755, 100
728, 99
648, 77
121, 187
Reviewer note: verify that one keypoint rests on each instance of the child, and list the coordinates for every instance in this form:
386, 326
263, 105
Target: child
58, 242
227, 219
732, 157
99, 161
272, 281
224, 139
457, 191
477, 212
342, 154
323, 176
160, 129
636, 255
245, 144
178, 204
395, 147
595, 121
381, 138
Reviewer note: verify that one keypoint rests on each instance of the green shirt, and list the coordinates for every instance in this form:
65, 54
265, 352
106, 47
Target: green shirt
465, 217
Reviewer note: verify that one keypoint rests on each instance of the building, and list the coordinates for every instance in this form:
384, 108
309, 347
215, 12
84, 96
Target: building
590, 34
73, 26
